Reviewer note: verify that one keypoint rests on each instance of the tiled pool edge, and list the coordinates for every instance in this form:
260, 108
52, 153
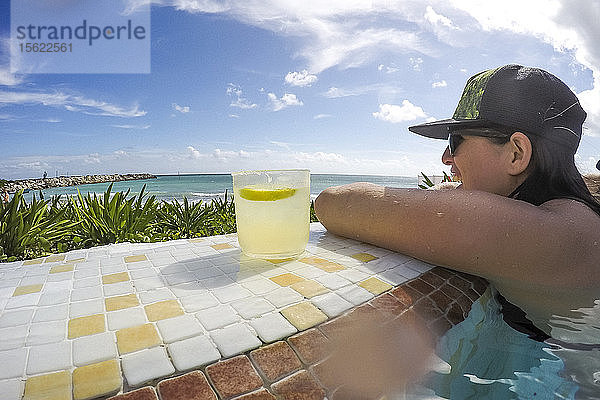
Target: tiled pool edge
110, 300
295, 368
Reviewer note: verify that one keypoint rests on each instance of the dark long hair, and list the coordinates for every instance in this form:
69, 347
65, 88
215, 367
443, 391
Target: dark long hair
553, 175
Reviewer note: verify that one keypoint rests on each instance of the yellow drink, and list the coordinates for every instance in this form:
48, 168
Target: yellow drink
272, 219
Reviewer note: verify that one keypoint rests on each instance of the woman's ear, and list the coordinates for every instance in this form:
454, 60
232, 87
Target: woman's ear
519, 148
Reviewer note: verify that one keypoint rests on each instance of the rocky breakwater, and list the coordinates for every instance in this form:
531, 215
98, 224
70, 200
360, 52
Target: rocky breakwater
45, 183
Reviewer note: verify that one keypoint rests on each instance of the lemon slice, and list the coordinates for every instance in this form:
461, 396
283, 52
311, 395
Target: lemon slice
266, 194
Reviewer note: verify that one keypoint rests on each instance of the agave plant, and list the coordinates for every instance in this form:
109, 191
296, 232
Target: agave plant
30, 230
109, 219
223, 211
178, 220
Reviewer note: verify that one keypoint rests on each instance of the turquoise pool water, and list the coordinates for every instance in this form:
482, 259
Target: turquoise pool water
491, 360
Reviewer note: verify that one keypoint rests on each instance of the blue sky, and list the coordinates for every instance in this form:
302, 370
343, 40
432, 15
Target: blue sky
330, 86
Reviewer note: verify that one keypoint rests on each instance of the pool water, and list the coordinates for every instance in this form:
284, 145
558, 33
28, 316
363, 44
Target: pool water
491, 360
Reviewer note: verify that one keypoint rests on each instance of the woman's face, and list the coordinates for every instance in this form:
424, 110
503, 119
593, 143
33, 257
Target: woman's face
479, 164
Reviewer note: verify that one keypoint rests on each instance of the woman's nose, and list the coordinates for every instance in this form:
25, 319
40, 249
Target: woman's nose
447, 158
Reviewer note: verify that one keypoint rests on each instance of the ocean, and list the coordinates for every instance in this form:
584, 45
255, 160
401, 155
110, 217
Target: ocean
206, 187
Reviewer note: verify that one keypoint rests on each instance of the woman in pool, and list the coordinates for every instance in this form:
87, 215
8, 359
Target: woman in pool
522, 217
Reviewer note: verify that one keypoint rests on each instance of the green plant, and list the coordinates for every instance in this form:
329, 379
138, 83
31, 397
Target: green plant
313, 216
428, 183
223, 212
30, 230
178, 220
109, 219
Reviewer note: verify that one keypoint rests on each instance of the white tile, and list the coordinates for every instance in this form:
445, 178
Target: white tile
13, 363
199, 302
117, 289
179, 278
231, 293
13, 283
419, 266
88, 307
179, 328
86, 282
217, 317
47, 332
172, 269
187, 289
25, 300
193, 353
235, 339
125, 318
149, 283
61, 276
54, 297
139, 265
146, 365
142, 273
273, 271
331, 304
113, 269
309, 272
13, 337
14, 318
332, 281
198, 264
353, 275
85, 273
217, 282
94, 348
252, 308
49, 357
260, 286
355, 294
284, 296
12, 389
33, 280
405, 271
86, 293
152, 296
392, 277
272, 327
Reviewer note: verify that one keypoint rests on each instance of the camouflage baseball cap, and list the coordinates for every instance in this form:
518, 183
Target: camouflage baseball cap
517, 97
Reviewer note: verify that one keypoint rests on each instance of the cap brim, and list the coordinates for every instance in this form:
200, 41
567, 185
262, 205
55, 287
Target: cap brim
441, 129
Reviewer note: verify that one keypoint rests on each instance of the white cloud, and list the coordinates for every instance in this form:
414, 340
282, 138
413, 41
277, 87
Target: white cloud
416, 63
321, 116
302, 78
127, 126
287, 100
70, 102
439, 84
394, 113
438, 19
238, 99
181, 109
193, 153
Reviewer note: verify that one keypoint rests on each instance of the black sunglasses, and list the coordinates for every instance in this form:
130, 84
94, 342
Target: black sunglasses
457, 137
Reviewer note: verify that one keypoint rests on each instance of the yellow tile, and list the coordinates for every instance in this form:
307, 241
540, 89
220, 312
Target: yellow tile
75, 260
222, 246
95, 380
84, 326
163, 310
375, 285
114, 278
55, 386
34, 261
27, 289
137, 338
130, 259
121, 302
309, 288
196, 240
304, 315
364, 257
61, 268
55, 258
286, 279
325, 265
279, 260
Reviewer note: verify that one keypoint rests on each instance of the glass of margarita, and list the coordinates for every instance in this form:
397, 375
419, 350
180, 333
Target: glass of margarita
272, 211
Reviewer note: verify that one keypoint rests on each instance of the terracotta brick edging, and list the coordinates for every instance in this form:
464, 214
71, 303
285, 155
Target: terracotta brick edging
296, 368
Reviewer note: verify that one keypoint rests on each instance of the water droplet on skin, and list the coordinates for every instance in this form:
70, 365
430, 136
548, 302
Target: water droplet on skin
439, 214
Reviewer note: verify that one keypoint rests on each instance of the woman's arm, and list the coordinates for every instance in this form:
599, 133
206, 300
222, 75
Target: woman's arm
476, 232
